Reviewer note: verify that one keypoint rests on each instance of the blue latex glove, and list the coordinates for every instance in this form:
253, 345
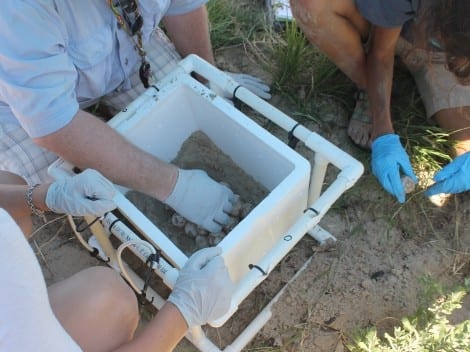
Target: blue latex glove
453, 178
388, 158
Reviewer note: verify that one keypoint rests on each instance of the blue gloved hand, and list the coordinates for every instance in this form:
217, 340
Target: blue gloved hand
453, 178
388, 157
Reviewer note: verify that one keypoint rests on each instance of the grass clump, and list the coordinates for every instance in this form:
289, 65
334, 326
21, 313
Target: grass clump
302, 75
292, 55
298, 64
428, 330
234, 22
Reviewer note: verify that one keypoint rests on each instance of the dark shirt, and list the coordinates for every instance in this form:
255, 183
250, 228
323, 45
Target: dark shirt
388, 13
396, 13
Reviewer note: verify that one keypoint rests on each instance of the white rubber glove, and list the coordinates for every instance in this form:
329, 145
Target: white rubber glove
203, 290
201, 200
88, 193
253, 84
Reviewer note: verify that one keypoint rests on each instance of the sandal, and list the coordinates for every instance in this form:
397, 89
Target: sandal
360, 123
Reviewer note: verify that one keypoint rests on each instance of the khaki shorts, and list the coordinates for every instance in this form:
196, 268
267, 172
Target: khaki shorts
21, 156
438, 87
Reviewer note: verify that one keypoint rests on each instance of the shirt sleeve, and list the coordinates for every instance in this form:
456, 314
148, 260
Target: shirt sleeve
37, 77
27, 322
388, 13
180, 7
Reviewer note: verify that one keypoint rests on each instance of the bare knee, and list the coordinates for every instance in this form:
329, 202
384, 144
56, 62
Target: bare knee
309, 14
322, 20
456, 121
113, 295
299, 6
96, 299
319, 19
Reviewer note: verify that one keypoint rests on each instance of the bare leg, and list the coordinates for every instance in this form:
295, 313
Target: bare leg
339, 30
96, 308
360, 124
458, 120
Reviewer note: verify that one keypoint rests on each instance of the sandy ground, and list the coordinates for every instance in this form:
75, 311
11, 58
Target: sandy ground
373, 275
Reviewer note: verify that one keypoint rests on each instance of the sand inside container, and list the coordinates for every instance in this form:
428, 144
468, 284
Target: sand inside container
199, 152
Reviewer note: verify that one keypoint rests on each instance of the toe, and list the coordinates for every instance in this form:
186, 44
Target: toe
359, 132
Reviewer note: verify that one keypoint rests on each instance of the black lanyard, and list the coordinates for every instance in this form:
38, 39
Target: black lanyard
130, 20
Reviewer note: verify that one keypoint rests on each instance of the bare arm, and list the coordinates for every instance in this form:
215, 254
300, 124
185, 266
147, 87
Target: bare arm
88, 142
12, 199
379, 70
12, 195
190, 33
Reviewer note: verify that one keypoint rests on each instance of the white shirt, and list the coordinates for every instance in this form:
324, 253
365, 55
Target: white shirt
27, 322
59, 55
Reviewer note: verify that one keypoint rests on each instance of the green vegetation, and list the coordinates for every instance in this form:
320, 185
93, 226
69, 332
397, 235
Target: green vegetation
233, 22
298, 64
428, 330
302, 78
427, 144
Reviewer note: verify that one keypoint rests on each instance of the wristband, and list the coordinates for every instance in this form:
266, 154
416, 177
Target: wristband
29, 201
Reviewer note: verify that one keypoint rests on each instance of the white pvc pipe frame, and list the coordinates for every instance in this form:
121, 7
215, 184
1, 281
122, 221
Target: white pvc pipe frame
325, 153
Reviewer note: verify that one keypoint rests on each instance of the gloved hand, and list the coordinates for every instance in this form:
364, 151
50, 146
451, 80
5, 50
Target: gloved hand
253, 84
201, 200
388, 157
87, 193
203, 290
453, 178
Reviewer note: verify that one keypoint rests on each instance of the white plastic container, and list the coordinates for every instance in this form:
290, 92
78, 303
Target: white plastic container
166, 115
162, 124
